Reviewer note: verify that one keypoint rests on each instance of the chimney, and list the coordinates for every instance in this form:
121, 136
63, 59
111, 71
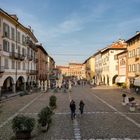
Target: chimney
15, 17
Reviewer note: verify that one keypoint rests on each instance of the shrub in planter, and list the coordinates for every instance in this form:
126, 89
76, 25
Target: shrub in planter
44, 118
23, 126
124, 85
52, 102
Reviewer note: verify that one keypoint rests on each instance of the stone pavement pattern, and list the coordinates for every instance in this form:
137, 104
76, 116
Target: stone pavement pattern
100, 120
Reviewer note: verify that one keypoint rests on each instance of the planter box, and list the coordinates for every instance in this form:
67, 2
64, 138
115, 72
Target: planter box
23, 135
132, 109
123, 103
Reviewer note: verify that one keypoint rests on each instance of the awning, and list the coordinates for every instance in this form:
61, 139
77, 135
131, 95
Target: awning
120, 79
137, 81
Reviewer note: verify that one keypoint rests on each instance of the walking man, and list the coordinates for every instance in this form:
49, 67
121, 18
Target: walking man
81, 106
72, 108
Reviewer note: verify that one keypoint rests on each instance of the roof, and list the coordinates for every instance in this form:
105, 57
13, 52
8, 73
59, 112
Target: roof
18, 23
66, 67
75, 64
133, 37
88, 59
41, 47
119, 45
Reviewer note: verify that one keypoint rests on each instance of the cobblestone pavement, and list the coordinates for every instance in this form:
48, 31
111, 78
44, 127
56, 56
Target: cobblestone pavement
104, 117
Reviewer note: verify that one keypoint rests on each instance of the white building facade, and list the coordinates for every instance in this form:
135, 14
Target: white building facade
17, 55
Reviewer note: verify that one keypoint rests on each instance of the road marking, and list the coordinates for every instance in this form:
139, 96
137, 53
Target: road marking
122, 114
86, 113
20, 110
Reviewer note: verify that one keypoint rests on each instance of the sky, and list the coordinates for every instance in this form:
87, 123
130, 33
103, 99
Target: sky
73, 30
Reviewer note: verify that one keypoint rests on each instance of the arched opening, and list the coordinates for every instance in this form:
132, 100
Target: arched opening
107, 80
20, 84
7, 85
114, 79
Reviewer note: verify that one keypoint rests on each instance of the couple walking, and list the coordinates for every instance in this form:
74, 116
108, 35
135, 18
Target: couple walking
73, 108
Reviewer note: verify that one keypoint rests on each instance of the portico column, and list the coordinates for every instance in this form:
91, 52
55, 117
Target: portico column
14, 88
24, 86
0, 93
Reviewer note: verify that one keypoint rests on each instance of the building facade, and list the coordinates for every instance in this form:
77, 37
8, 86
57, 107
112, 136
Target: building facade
17, 55
42, 67
122, 68
133, 47
98, 68
110, 63
90, 68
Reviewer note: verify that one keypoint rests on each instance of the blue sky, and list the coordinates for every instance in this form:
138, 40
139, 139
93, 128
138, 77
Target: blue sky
73, 30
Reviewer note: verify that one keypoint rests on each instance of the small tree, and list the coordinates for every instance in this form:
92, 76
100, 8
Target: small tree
44, 117
23, 126
52, 102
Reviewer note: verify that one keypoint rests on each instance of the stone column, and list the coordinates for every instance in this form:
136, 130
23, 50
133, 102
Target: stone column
14, 88
45, 85
42, 86
24, 86
0, 94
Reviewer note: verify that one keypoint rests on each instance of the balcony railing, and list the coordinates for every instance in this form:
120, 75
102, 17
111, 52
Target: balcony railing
29, 57
2, 69
18, 56
33, 72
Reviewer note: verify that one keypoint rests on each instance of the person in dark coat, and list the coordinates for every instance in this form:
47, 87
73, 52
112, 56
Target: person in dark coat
81, 106
72, 108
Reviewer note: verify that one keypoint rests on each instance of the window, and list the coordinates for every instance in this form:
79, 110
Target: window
12, 33
6, 45
6, 30
18, 37
18, 65
13, 64
133, 67
6, 64
115, 57
18, 49
13, 47
23, 52
23, 40
23, 65
138, 51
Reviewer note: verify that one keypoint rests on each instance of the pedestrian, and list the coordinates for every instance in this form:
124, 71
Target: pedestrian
72, 108
81, 106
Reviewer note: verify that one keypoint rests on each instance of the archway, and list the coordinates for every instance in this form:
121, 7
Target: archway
20, 84
114, 79
7, 85
104, 79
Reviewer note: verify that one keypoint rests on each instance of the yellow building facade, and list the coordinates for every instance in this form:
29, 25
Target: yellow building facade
90, 68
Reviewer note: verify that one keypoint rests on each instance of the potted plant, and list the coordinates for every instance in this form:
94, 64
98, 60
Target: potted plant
44, 118
23, 126
52, 102
124, 96
132, 104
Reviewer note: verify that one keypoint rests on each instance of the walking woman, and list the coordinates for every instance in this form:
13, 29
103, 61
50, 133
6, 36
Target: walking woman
81, 106
72, 108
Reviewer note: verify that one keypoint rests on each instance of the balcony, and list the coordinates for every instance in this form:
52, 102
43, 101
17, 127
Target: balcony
18, 56
22, 57
29, 57
15, 55
33, 72
137, 58
2, 69
137, 73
